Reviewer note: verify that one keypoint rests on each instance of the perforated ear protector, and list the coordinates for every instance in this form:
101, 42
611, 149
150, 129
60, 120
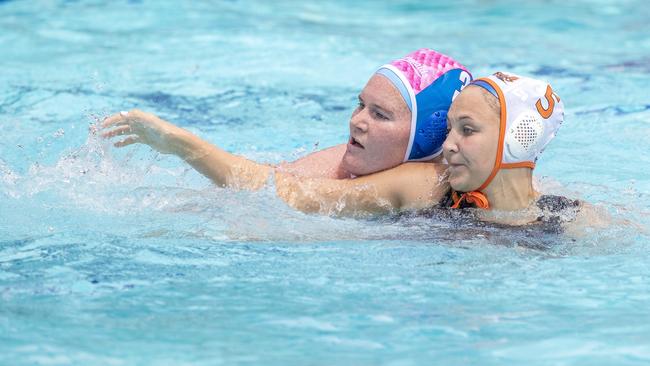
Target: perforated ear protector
525, 134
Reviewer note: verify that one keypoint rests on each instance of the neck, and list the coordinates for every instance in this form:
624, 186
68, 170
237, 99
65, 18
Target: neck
511, 190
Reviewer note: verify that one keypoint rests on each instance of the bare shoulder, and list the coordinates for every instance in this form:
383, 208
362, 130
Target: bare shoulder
320, 164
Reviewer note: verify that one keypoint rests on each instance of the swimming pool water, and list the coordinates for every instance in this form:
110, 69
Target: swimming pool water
122, 257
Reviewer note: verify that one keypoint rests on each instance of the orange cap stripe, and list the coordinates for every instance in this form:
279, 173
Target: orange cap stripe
522, 164
502, 133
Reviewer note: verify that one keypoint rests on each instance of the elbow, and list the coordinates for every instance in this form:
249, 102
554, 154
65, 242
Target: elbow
293, 195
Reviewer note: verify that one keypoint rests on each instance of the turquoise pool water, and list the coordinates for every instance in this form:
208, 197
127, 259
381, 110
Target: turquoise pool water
123, 257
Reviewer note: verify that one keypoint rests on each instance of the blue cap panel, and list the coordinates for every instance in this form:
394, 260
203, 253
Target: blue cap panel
433, 103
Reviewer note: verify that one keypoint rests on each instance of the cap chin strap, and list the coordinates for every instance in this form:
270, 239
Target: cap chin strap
475, 198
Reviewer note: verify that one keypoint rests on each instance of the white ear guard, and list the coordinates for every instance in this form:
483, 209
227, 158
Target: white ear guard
523, 138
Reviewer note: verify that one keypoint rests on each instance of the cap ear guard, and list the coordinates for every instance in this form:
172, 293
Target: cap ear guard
522, 142
430, 135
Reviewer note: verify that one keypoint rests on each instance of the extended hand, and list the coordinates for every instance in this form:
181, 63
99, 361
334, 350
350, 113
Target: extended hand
141, 127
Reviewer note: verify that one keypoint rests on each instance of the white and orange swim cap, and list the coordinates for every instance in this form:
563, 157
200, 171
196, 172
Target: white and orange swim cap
530, 115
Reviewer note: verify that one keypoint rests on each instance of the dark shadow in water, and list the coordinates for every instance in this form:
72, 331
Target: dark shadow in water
197, 111
642, 65
201, 110
544, 70
616, 110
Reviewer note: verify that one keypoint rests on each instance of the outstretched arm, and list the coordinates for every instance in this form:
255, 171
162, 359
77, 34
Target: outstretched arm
409, 186
220, 166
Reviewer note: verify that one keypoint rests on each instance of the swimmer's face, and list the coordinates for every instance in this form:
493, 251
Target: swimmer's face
379, 129
471, 145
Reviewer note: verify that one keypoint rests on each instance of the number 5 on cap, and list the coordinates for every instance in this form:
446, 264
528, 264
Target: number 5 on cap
548, 111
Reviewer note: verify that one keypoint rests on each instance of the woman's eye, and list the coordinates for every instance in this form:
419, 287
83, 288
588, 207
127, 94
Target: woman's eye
380, 116
360, 105
467, 131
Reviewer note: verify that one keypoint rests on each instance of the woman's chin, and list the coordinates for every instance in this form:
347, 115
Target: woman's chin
352, 166
457, 183
359, 167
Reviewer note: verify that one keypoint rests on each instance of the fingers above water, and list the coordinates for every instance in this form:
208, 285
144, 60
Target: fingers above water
122, 118
127, 141
115, 120
120, 130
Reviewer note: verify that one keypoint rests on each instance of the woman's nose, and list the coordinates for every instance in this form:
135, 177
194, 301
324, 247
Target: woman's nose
359, 121
449, 145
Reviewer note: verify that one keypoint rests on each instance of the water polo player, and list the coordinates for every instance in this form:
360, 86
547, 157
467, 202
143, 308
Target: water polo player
401, 117
498, 127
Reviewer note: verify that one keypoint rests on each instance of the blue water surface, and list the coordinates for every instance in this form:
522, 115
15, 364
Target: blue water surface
128, 257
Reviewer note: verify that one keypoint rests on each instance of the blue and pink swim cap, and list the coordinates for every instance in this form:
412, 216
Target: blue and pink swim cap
428, 81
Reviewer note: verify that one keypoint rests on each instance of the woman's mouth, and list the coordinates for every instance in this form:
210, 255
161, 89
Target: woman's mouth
355, 143
454, 167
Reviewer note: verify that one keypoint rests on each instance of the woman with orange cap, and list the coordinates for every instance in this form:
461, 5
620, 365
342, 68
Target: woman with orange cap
498, 126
